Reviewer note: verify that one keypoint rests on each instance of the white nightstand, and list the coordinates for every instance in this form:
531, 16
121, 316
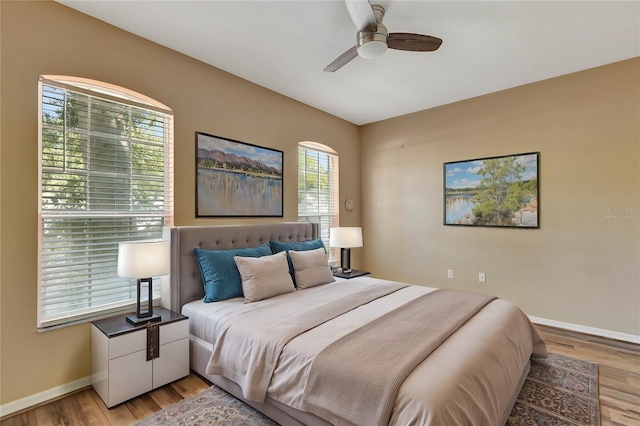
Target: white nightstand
123, 364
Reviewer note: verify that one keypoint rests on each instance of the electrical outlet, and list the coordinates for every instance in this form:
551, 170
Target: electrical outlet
450, 274
481, 277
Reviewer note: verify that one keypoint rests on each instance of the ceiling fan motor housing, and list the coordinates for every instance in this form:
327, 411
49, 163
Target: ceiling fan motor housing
371, 44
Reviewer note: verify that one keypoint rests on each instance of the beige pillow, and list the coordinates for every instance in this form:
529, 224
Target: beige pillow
264, 277
311, 267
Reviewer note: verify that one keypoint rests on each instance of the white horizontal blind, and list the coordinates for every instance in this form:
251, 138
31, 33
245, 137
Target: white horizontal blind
106, 173
318, 189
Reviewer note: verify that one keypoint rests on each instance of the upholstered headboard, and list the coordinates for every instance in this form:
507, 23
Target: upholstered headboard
186, 281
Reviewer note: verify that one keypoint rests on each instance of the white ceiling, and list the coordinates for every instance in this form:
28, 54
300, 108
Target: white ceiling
285, 45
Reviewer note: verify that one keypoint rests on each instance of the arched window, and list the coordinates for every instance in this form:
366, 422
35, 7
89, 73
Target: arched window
105, 176
318, 187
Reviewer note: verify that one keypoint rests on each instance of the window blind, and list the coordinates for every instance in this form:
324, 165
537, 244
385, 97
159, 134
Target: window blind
106, 173
318, 188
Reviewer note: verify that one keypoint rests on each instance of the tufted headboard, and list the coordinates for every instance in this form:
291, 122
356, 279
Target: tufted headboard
186, 281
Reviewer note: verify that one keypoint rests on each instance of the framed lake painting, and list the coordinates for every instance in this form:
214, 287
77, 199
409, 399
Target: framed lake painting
237, 179
494, 191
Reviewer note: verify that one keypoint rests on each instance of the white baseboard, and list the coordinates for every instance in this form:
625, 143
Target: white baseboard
44, 396
632, 338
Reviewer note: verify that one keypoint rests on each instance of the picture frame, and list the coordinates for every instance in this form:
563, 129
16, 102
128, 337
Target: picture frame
237, 179
502, 191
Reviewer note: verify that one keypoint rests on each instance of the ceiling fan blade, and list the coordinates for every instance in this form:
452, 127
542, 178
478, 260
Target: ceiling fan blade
362, 15
413, 42
342, 60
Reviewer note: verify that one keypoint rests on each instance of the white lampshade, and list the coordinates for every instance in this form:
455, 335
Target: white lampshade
143, 259
345, 237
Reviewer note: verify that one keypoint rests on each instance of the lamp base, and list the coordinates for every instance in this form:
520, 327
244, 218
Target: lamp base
132, 319
345, 259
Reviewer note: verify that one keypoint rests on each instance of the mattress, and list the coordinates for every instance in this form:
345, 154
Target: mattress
471, 378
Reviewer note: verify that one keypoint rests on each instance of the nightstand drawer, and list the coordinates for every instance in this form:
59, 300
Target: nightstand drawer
174, 331
173, 362
128, 343
129, 376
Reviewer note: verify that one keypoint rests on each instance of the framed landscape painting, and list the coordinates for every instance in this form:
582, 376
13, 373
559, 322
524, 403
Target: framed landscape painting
237, 179
494, 191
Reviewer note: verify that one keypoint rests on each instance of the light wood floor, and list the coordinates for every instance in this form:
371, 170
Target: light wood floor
618, 371
618, 367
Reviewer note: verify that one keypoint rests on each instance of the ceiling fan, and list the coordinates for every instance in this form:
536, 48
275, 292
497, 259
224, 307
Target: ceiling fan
373, 39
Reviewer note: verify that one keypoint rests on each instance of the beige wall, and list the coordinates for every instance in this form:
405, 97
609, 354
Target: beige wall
47, 38
579, 267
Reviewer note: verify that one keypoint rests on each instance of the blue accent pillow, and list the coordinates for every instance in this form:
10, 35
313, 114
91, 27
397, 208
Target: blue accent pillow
278, 246
220, 274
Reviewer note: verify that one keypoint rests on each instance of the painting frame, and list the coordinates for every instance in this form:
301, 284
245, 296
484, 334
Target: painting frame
498, 192
237, 179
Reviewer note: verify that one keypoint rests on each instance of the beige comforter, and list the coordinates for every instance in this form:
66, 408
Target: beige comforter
471, 378
343, 389
247, 350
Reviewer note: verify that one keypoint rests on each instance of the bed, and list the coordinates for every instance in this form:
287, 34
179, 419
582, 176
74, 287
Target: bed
472, 375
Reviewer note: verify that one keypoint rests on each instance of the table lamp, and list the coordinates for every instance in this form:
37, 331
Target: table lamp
143, 260
346, 238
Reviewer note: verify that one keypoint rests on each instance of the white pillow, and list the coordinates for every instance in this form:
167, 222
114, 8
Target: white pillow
264, 277
311, 267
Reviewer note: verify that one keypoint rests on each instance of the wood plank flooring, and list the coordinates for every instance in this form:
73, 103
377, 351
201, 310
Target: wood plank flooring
618, 365
618, 371
84, 408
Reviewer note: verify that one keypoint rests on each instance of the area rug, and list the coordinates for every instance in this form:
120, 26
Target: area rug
559, 390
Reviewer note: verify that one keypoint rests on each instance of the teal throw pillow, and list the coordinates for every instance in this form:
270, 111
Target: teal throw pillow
220, 274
